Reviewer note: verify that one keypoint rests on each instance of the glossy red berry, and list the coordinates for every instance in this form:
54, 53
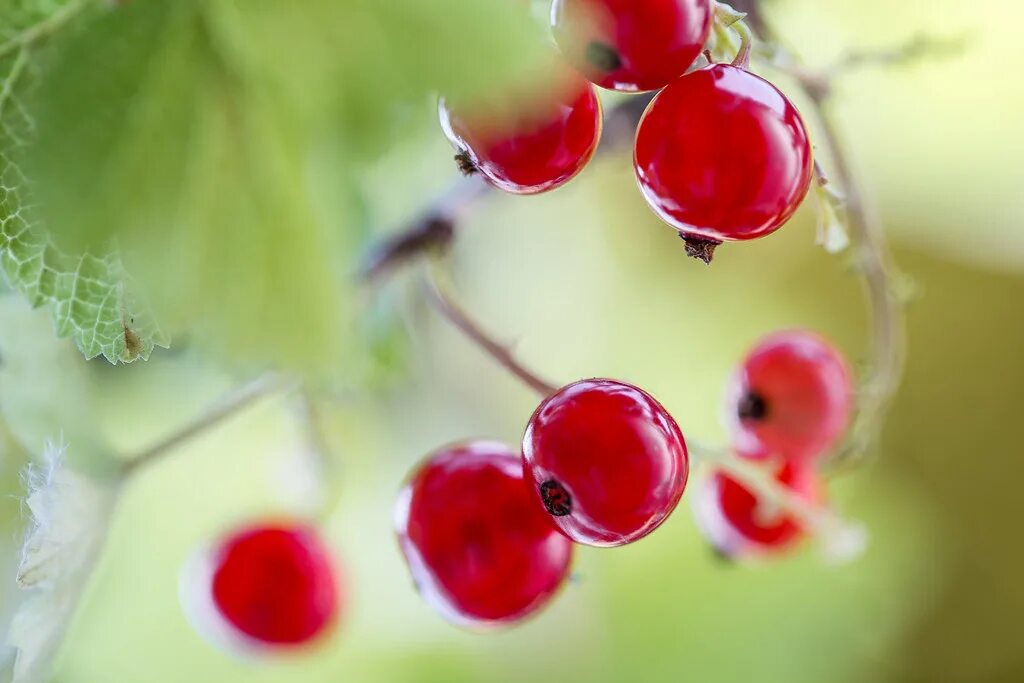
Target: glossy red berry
479, 550
606, 461
739, 524
266, 585
542, 146
791, 398
632, 45
721, 155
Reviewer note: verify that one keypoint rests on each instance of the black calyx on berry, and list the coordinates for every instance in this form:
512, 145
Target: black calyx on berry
699, 248
603, 56
556, 499
752, 406
466, 164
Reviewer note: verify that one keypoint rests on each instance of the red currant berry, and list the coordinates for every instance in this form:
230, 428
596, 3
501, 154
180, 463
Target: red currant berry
479, 550
542, 147
632, 45
721, 154
606, 460
791, 398
738, 524
265, 585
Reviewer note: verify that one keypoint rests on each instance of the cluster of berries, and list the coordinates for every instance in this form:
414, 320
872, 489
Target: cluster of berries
720, 154
488, 532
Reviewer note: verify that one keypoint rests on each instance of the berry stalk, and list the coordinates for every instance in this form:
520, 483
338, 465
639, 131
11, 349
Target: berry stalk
451, 311
888, 333
872, 257
227, 407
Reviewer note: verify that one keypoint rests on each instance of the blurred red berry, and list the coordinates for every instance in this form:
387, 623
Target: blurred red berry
480, 551
548, 139
632, 45
791, 398
739, 524
270, 584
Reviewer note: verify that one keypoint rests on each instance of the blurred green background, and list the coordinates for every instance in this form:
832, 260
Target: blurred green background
587, 282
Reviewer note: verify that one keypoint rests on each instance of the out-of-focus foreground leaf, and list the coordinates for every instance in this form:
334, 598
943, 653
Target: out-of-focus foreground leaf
184, 132
70, 515
88, 295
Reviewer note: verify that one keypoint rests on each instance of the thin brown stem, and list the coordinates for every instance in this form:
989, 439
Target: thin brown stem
312, 423
225, 408
871, 252
918, 48
888, 334
742, 59
446, 305
432, 231
817, 83
318, 459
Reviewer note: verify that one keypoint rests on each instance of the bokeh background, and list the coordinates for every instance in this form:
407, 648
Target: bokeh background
587, 282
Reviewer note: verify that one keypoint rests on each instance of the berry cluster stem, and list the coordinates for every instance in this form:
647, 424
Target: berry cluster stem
871, 252
888, 334
228, 406
445, 304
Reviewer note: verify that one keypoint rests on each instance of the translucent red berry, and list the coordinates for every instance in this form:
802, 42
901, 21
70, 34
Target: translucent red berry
480, 551
791, 397
632, 45
721, 155
266, 585
738, 523
541, 146
606, 461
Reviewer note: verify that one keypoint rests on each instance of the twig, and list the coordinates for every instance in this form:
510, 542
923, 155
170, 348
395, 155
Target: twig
320, 492
446, 305
431, 231
309, 413
817, 83
228, 406
918, 48
888, 335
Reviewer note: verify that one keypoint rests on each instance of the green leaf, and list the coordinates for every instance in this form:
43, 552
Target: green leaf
88, 296
70, 517
186, 132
